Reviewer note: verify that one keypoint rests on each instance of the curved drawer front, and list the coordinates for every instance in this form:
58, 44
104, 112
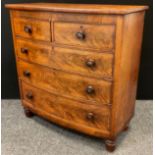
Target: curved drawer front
84, 62
69, 85
70, 60
32, 29
33, 52
85, 35
71, 111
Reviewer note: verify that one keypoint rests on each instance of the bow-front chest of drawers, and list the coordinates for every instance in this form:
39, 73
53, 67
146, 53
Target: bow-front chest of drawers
78, 64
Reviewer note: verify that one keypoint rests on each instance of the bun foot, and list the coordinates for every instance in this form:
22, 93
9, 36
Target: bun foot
110, 145
28, 113
126, 128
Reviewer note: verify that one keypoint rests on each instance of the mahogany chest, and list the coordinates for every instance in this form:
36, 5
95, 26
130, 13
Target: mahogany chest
78, 64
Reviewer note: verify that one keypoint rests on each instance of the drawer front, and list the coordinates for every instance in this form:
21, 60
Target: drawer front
72, 111
85, 35
32, 28
34, 52
75, 61
84, 62
69, 85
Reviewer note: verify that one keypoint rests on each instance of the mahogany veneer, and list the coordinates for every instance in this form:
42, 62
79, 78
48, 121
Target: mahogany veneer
78, 64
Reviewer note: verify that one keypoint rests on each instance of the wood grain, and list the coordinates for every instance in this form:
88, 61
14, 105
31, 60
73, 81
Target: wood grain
126, 69
96, 36
39, 15
34, 52
71, 111
65, 84
85, 8
75, 61
40, 29
66, 59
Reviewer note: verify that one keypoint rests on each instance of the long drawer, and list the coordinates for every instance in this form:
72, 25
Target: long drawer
69, 85
71, 111
71, 60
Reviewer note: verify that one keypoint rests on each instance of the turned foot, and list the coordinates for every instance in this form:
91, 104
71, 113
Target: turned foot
126, 128
110, 145
28, 113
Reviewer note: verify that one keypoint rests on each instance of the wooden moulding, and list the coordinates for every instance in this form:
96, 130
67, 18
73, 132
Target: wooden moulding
79, 8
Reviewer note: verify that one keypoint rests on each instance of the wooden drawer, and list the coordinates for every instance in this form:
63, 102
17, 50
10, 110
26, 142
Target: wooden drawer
34, 52
69, 85
83, 62
95, 36
71, 111
32, 28
70, 60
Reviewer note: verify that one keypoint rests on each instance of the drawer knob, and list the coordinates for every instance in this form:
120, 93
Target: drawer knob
29, 95
27, 73
90, 116
80, 35
90, 90
28, 29
90, 63
24, 50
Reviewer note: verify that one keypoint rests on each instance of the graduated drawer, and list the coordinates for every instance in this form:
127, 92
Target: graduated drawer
65, 84
84, 62
94, 36
70, 60
32, 28
31, 51
65, 109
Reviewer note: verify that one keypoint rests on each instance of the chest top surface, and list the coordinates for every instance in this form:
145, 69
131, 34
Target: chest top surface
84, 8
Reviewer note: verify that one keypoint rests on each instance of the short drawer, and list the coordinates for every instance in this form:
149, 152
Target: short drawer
95, 36
71, 111
72, 86
32, 28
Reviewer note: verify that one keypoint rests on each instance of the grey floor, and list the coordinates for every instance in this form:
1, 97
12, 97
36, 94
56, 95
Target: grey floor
36, 136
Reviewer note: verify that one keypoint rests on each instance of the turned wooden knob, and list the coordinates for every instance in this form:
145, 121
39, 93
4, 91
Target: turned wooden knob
24, 50
90, 116
27, 73
29, 95
28, 29
80, 35
90, 63
90, 90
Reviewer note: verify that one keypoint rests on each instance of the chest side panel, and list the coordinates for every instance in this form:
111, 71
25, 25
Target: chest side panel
127, 57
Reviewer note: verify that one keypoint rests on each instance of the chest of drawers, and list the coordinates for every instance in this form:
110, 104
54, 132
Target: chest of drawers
78, 64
